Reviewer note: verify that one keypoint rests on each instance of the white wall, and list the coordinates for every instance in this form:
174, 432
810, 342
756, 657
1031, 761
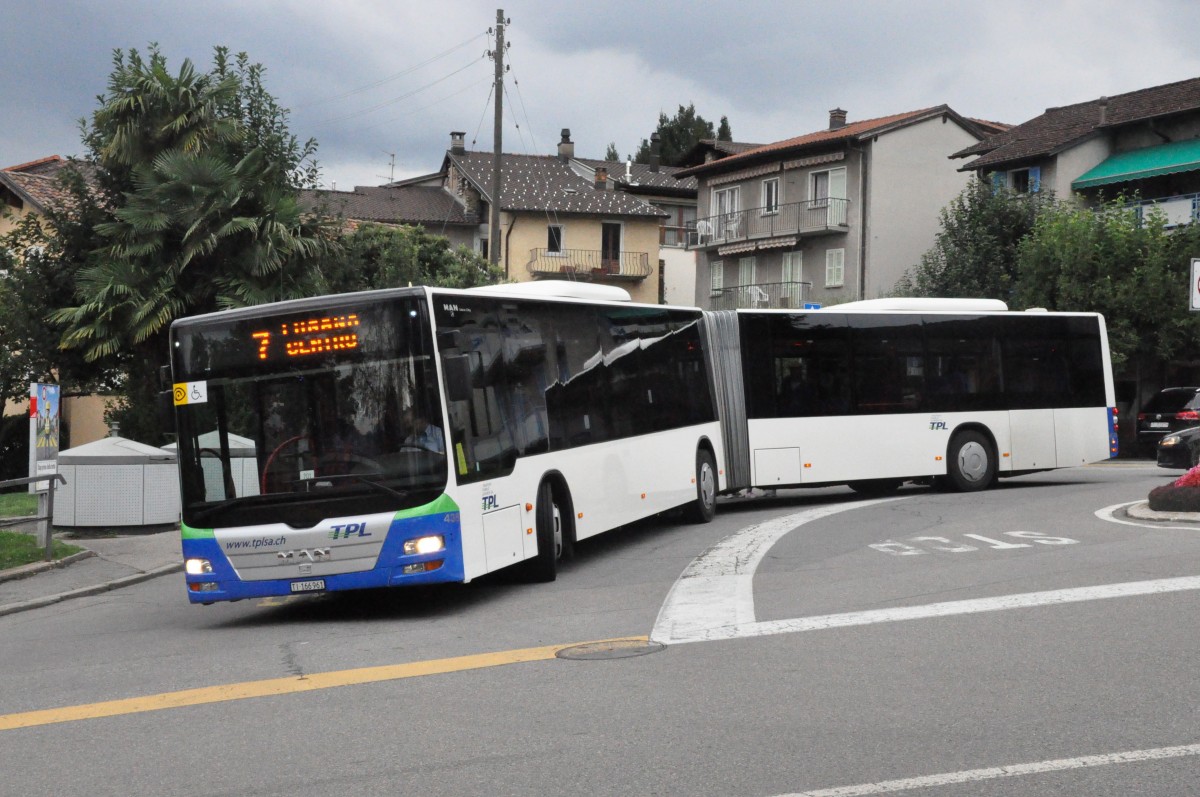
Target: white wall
910, 179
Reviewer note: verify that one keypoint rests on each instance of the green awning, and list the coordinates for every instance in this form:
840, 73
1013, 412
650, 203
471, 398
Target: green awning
1138, 164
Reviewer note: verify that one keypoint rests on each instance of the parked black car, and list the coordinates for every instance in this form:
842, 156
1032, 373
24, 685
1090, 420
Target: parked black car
1171, 410
1180, 450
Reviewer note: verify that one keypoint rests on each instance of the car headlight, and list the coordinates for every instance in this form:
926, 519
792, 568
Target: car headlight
1170, 440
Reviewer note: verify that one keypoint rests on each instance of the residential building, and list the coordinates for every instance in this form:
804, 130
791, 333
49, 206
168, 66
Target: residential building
30, 189
831, 216
1144, 144
561, 217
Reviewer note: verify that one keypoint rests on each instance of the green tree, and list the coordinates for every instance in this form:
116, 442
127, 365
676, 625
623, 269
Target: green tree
611, 153
382, 256
201, 175
678, 134
1130, 267
40, 255
975, 252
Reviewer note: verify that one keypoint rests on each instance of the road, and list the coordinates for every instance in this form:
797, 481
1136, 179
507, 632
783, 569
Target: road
1019, 641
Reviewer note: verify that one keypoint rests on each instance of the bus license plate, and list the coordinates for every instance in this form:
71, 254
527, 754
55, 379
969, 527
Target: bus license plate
308, 586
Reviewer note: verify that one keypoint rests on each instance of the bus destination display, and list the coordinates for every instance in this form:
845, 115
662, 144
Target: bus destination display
308, 337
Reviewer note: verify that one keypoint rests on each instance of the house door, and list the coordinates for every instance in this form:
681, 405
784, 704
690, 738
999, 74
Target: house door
610, 247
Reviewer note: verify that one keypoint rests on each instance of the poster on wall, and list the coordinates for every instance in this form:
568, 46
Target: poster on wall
43, 433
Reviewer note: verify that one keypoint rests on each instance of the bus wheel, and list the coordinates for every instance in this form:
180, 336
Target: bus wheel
970, 462
548, 523
704, 507
875, 487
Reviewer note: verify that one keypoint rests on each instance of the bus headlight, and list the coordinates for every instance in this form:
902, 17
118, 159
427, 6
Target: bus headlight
430, 544
198, 567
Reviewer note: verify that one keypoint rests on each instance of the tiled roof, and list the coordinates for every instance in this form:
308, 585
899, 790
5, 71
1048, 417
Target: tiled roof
409, 204
1060, 127
641, 176
37, 181
547, 183
848, 132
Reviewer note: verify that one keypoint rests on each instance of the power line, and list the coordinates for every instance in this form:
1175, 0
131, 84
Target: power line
395, 100
396, 76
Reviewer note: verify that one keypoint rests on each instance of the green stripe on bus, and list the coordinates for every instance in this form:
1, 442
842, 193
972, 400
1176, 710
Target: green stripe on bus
443, 503
189, 533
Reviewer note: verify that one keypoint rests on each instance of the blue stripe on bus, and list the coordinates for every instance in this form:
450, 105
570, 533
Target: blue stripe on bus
388, 571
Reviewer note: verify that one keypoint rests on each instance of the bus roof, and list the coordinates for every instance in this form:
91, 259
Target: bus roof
564, 289
926, 304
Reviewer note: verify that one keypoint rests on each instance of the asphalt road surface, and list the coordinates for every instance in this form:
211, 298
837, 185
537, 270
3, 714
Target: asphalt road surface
1030, 640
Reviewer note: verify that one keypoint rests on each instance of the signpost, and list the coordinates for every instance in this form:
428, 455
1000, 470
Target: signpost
44, 414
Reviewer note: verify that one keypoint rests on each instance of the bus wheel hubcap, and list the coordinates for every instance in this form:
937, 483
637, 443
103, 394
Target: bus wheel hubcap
973, 461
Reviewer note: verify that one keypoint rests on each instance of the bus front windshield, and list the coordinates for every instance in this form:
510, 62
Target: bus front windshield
301, 445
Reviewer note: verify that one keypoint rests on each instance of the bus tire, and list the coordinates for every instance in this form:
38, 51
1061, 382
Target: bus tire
704, 508
551, 536
970, 462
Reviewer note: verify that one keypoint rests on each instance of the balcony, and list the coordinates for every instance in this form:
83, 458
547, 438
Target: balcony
1183, 209
762, 296
816, 217
587, 265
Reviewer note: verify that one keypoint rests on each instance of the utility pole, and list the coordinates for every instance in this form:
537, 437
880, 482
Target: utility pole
494, 215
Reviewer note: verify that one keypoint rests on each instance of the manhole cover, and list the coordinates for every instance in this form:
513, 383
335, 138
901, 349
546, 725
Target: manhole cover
610, 649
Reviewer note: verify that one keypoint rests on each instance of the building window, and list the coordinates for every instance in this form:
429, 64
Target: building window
827, 185
716, 276
792, 277
1019, 181
554, 239
770, 196
835, 268
746, 270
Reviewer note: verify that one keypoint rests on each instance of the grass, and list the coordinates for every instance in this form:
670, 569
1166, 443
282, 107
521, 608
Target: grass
18, 504
18, 548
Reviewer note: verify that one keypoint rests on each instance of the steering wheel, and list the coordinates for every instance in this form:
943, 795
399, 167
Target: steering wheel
266, 471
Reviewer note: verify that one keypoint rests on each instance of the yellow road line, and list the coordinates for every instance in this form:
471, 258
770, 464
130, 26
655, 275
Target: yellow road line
282, 686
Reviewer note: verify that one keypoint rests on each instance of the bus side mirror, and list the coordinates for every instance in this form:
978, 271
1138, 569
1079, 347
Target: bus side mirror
456, 369
166, 409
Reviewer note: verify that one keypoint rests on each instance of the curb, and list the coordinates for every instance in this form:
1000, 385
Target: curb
83, 592
32, 569
1142, 511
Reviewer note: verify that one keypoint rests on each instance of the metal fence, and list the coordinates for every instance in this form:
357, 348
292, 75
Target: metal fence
46, 532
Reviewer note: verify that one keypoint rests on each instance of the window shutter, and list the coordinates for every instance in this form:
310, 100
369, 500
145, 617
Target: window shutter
1035, 179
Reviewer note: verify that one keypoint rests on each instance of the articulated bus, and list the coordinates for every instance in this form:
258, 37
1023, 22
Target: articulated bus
422, 435
878, 392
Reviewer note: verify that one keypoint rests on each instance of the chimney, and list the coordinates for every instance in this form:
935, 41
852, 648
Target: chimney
458, 142
566, 147
837, 119
601, 178
655, 152
1103, 110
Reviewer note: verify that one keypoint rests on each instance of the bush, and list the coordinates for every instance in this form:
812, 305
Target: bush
1181, 495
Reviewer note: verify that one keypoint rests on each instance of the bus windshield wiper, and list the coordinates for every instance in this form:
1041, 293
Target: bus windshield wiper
361, 478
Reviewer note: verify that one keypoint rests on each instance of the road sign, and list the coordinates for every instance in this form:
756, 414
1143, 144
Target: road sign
1195, 285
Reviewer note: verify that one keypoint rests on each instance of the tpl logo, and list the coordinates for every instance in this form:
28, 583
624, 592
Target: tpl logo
490, 502
938, 426
344, 531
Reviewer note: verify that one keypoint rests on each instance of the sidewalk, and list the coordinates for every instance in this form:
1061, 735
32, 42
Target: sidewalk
106, 563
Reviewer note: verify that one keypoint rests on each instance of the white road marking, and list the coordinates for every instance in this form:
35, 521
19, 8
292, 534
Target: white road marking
1012, 770
1107, 513
714, 597
717, 588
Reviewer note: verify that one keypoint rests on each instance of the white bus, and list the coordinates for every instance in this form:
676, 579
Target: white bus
424, 435
875, 393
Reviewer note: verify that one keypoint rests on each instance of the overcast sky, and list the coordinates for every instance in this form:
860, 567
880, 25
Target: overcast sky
373, 79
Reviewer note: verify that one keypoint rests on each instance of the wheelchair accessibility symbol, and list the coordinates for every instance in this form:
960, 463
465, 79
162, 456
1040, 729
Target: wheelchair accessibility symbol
190, 393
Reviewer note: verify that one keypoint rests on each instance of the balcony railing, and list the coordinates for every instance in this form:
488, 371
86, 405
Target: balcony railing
764, 295
588, 264
672, 236
794, 218
1182, 209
